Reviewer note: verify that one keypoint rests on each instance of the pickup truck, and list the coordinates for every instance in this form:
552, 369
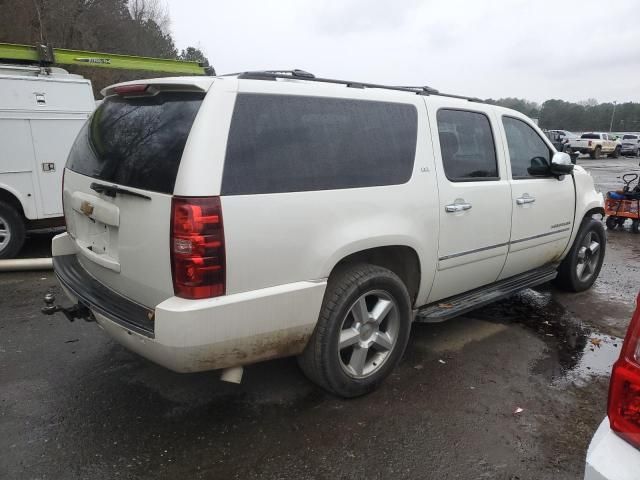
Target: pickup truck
597, 144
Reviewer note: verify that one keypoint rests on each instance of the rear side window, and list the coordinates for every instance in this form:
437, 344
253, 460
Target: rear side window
283, 143
526, 148
467, 146
591, 136
136, 142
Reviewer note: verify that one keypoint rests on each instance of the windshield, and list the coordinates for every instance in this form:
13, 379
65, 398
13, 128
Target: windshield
630, 137
137, 142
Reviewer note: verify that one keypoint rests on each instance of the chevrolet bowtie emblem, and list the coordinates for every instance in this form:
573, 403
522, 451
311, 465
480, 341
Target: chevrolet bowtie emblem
86, 208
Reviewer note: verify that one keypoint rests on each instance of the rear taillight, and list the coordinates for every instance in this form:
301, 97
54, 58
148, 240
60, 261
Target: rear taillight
590, 142
197, 247
624, 390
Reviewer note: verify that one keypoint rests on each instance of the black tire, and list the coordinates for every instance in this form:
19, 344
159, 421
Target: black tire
616, 153
12, 224
322, 360
611, 222
568, 277
635, 226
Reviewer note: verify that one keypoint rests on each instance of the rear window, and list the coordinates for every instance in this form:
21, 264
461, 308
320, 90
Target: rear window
283, 143
630, 137
136, 142
591, 136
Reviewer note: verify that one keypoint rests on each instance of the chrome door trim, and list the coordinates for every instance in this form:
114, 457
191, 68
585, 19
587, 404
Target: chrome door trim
475, 250
540, 235
498, 245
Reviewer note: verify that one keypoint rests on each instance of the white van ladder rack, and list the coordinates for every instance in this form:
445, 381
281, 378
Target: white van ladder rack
46, 55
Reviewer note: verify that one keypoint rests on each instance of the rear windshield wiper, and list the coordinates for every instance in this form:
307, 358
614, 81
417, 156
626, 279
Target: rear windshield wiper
112, 190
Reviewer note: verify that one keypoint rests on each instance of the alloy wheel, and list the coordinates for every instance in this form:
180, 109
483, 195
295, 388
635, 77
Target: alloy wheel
588, 257
368, 334
5, 234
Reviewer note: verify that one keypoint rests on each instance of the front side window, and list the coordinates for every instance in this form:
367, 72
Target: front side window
529, 154
467, 146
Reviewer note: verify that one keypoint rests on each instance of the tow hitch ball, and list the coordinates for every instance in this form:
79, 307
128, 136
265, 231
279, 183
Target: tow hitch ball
77, 311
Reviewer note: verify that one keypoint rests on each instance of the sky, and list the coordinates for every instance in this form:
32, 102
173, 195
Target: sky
572, 50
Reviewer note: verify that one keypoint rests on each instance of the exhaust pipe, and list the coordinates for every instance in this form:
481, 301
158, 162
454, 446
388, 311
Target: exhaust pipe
25, 264
232, 375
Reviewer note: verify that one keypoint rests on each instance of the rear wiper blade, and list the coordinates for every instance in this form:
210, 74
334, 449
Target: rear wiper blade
112, 190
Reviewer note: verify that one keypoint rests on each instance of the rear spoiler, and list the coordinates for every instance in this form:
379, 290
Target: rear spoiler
149, 89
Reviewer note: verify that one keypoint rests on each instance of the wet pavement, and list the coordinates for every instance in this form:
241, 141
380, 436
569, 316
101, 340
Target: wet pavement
75, 405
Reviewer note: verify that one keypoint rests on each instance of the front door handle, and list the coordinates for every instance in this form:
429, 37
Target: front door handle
526, 198
457, 207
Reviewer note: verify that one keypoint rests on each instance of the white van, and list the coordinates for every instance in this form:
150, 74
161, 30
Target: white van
41, 112
218, 222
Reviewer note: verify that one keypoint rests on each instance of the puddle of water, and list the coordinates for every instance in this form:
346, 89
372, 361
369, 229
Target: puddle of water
576, 351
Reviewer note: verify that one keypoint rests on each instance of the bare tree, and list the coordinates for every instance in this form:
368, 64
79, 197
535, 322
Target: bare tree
156, 11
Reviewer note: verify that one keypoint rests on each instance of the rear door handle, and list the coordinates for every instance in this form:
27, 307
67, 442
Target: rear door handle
457, 207
526, 198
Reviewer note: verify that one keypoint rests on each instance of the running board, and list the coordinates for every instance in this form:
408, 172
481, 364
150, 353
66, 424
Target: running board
457, 305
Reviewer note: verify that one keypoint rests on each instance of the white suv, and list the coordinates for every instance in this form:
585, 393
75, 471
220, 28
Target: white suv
218, 222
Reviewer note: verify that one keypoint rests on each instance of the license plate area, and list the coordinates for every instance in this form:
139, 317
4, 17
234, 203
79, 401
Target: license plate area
96, 226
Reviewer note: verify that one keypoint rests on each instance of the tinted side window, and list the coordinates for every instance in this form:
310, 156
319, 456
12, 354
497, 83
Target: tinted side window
526, 148
467, 146
284, 143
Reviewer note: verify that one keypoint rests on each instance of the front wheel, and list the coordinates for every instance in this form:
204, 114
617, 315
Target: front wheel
361, 333
635, 226
616, 153
582, 265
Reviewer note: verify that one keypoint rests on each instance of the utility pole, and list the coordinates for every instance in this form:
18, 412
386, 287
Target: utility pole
612, 114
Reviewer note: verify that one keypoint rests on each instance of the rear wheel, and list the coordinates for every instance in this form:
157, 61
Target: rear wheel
635, 226
362, 331
582, 265
12, 231
596, 153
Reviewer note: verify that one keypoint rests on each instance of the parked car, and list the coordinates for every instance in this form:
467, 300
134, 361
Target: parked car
597, 144
614, 452
218, 222
40, 115
630, 144
566, 137
560, 143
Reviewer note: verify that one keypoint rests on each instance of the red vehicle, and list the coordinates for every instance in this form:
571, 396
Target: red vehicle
614, 452
623, 204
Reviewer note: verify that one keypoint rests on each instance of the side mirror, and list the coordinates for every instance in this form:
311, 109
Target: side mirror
539, 167
561, 164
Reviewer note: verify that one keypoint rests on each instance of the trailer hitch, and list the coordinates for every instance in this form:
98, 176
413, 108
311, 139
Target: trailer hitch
77, 311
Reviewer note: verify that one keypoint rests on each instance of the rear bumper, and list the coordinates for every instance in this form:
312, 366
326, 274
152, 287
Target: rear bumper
611, 458
197, 335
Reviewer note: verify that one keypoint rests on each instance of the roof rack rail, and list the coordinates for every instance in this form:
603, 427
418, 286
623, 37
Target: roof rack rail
304, 75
